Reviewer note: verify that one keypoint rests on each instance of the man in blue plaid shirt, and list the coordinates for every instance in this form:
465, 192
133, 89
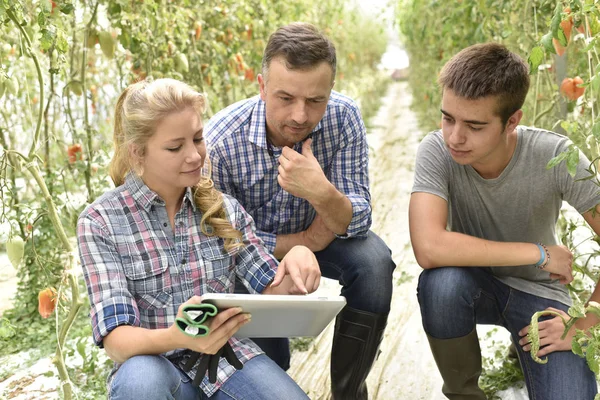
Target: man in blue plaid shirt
296, 158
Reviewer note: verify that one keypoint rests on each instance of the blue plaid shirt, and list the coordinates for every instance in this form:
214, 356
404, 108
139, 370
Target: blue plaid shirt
139, 270
245, 167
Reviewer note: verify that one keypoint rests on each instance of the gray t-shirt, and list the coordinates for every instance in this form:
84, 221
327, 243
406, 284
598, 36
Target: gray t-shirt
521, 205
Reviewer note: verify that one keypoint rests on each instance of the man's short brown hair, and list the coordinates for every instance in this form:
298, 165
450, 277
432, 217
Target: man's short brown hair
301, 45
488, 69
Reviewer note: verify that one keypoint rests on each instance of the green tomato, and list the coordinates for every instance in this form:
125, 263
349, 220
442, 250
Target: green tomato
15, 248
181, 63
107, 44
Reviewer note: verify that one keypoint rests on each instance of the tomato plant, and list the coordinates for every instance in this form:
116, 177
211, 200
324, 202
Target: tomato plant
63, 64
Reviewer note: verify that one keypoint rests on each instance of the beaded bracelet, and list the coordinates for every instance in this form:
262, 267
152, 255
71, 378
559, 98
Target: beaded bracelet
542, 256
547, 260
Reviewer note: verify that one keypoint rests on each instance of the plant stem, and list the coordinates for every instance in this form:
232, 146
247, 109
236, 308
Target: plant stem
29, 50
46, 132
75, 303
86, 121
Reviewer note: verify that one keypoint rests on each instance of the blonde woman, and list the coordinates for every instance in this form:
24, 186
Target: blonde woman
162, 238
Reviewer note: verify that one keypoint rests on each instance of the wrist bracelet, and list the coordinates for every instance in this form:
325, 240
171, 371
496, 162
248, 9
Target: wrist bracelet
547, 260
542, 256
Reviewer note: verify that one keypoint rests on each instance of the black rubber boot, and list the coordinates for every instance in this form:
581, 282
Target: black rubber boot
459, 363
356, 341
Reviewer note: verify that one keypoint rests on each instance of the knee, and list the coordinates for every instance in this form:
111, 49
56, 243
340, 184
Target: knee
440, 290
148, 377
371, 259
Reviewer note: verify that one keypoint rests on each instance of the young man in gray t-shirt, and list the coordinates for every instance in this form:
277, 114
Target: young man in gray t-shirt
482, 213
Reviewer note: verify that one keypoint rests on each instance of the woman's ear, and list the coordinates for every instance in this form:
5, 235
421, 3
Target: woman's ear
136, 155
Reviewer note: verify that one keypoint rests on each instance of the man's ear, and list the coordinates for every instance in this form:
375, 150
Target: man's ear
514, 120
261, 87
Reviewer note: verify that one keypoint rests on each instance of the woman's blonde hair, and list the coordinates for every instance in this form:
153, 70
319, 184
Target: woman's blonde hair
139, 110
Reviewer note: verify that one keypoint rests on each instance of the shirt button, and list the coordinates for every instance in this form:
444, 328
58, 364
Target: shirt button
165, 224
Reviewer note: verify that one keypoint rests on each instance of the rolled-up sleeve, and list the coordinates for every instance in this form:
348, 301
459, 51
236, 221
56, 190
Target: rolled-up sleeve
111, 303
350, 173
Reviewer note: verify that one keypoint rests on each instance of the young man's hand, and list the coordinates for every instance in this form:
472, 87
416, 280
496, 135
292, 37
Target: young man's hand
560, 265
551, 331
301, 174
298, 271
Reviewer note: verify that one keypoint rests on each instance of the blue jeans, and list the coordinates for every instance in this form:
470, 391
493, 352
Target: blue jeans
363, 266
453, 300
156, 378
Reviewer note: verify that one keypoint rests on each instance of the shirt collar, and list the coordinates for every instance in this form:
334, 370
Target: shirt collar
146, 197
258, 125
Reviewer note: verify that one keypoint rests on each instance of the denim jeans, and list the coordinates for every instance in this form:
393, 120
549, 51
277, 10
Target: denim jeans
156, 378
363, 266
453, 300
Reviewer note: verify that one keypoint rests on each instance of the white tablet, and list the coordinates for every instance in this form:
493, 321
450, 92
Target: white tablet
280, 315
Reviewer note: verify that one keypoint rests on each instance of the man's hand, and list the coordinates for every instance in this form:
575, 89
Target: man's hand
560, 265
301, 174
318, 236
301, 266
551, 331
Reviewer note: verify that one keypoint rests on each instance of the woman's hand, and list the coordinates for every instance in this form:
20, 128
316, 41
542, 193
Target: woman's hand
298, 273
222, 327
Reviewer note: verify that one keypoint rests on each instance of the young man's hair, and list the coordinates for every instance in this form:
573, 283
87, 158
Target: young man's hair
302, 47
488, 69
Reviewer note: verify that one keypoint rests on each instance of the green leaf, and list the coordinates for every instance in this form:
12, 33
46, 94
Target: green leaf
534, 337
573, 161
590, 356
556, 19
547, 43
576, 347
61, 42
6, 332
562, 38
535, 59
47, 39
594, 308
592, 44
596, 131
67, 8
577, 310
81, 349
46, 6
569, 127
41, 19
557, 160
596, 83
